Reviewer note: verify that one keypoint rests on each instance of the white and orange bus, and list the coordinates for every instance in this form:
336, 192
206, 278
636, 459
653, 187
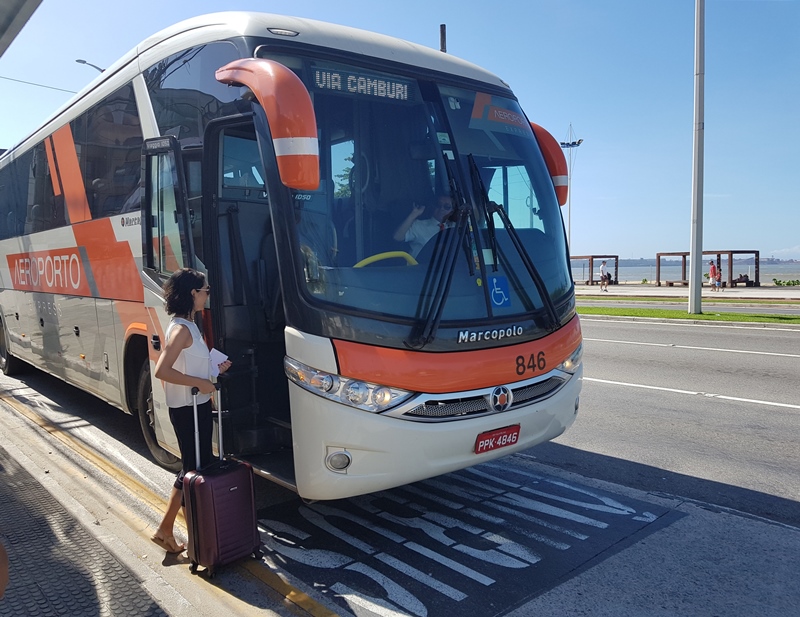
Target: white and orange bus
279, 155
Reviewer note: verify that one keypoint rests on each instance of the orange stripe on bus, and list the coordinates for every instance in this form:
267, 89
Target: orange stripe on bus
112, 263
135, 318
69, 172
58, 271
135, 327
459, 370
51, 161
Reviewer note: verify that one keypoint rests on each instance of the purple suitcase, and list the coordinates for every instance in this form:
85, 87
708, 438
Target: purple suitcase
220, 510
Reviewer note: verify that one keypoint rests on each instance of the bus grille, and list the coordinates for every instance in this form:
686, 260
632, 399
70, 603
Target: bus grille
477, 405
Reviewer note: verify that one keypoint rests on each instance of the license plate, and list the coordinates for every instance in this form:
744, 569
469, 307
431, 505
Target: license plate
498, 438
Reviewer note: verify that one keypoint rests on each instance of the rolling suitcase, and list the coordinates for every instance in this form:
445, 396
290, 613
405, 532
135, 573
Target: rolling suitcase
220, 509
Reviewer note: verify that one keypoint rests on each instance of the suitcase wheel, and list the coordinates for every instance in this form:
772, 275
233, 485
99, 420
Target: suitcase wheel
193, 567
211, 572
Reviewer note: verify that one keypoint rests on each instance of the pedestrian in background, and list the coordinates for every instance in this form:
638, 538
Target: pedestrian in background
713, 275
603, 277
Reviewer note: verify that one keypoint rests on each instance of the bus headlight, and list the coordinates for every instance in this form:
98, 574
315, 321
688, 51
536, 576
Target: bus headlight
356, 393
571, 364
352, 392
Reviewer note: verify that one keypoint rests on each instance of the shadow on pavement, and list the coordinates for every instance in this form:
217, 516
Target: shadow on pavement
656, 480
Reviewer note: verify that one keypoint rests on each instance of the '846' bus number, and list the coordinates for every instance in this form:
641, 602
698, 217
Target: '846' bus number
533, 363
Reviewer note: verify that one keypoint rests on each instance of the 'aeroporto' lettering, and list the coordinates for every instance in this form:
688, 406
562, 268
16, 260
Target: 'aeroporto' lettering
46, 271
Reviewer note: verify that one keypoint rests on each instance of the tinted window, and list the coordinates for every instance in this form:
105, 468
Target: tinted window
108, 139
185, 94
14, 188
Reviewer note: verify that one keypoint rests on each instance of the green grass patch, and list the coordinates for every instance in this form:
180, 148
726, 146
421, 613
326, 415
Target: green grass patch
709, 315
674, 299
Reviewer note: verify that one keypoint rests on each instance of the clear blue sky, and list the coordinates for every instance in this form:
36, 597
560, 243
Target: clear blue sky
621, 72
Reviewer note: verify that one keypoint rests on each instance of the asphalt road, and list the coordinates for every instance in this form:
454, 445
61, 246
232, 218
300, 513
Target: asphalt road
659, 500
708, 412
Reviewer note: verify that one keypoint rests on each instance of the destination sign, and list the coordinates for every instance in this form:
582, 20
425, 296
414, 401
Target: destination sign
363, 84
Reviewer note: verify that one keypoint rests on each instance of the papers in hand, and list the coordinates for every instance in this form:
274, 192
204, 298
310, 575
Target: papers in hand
216, 358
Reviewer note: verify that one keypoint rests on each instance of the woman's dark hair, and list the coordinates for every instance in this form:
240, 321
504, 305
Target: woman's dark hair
178, 298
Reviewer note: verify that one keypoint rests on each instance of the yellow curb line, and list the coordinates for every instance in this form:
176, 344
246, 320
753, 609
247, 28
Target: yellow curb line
264, 575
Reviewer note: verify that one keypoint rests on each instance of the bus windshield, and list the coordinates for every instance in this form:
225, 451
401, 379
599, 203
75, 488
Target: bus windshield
395, 153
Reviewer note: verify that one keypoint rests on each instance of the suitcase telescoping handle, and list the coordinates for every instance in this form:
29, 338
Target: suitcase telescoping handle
195, 392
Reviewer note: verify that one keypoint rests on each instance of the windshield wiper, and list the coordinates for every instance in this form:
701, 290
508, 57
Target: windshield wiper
489, 208
440, 273
479, 189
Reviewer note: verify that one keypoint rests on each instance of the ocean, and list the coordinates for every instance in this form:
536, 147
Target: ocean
671, 271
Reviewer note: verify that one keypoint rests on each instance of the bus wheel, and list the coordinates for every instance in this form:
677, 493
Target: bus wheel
144, 405
8, 363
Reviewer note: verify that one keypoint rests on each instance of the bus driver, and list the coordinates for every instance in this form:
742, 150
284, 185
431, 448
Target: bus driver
417, 231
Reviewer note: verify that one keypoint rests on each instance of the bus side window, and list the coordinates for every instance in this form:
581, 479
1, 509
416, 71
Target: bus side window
108, 137
168, 241
194, 186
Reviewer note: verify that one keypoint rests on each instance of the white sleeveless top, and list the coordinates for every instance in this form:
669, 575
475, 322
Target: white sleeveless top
195, 361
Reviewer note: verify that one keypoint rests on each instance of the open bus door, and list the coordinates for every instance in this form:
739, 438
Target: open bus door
247, 309
250, 164
167, 247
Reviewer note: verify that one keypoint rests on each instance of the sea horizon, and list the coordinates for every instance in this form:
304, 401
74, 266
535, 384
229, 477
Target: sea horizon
782, 270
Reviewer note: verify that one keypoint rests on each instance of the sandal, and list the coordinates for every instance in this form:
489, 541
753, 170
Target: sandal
169, 544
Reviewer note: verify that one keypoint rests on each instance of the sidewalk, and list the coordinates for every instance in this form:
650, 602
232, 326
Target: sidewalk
78, 541
56, 567
629, 290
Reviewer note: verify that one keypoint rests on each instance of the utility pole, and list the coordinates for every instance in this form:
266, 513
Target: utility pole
696, 246
570, 145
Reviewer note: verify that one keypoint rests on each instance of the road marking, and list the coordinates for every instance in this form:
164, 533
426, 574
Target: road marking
757, 353
695, 393
469, 548
449, 563
422, 577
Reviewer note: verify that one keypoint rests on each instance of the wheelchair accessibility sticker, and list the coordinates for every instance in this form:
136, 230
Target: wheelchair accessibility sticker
500, 292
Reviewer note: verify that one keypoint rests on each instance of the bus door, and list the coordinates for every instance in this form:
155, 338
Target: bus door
247, 307
167, 246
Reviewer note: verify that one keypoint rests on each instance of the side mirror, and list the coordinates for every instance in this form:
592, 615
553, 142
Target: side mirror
555, 160
290, 113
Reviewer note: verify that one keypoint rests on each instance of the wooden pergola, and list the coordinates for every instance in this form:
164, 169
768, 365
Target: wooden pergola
730, 281
592, 259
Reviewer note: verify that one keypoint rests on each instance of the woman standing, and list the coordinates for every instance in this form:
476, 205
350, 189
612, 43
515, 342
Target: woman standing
185, 364
712, 275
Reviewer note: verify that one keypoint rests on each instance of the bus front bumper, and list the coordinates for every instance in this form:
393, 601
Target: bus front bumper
387, 452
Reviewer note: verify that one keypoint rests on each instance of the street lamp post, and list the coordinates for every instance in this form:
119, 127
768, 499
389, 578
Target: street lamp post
94, 66
570, 145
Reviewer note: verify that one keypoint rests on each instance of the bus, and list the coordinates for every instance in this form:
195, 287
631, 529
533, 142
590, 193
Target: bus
279, 155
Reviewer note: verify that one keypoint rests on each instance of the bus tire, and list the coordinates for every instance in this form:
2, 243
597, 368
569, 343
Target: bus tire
9, 364
144, 406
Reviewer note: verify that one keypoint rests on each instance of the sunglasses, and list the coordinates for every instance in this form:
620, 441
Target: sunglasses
206, 289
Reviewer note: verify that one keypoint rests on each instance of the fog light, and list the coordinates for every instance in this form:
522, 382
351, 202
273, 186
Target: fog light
338, 461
